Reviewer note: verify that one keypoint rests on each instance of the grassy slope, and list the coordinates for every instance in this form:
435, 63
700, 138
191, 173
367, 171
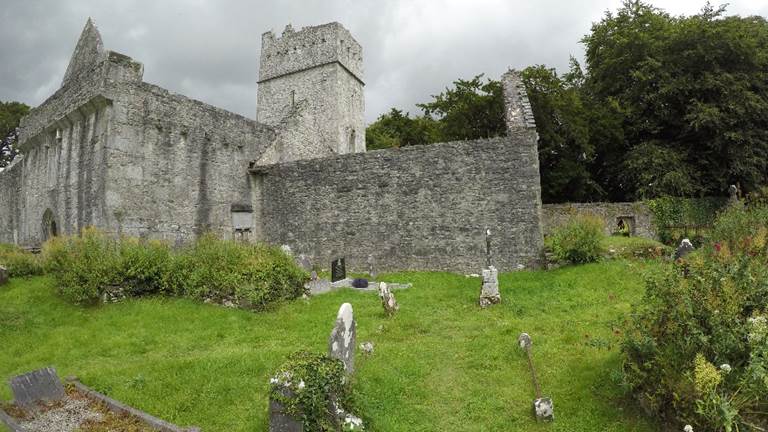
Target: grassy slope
440, 364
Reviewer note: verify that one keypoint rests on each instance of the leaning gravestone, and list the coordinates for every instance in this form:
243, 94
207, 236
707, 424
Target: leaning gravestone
341, 344
684, 249
489, 294
388, 299
3, 275
338, 270
42, 385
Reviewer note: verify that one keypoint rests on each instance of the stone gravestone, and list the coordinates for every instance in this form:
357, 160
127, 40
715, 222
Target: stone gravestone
388, 299
371, 268
489, 294
3, 275
280, 420
684, 249
304, 262
338, 270
36, 386
341, 344
733, 194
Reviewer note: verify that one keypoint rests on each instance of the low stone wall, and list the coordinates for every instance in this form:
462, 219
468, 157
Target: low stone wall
636, 214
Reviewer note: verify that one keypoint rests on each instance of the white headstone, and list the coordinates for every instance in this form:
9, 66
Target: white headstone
341, 344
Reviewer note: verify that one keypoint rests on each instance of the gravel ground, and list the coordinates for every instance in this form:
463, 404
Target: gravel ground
65, 417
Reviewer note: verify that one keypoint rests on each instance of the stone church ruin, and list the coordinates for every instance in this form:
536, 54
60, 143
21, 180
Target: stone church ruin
112, 151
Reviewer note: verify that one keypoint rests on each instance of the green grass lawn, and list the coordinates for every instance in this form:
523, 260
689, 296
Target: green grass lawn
441, 364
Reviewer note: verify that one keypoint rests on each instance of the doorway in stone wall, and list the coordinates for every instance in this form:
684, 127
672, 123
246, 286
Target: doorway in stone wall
49, 227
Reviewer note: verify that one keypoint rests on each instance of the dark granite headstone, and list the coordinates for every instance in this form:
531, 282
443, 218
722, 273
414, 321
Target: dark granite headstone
36, 386
280, 420
360, 283
338, 270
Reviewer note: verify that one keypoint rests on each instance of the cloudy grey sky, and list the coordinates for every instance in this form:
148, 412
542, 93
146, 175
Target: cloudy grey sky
209, 50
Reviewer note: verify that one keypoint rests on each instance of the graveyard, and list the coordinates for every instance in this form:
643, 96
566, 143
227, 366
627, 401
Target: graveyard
439, 363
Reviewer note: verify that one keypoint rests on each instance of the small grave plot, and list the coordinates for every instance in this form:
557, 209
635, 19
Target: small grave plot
74, 412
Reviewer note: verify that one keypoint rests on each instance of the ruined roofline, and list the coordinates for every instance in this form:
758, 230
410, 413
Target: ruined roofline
343, 66
314, 46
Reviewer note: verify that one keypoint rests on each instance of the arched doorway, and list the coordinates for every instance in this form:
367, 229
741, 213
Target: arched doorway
49, 225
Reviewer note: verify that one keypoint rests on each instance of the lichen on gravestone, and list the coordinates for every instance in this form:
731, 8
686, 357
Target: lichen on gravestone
341, 343
489, 293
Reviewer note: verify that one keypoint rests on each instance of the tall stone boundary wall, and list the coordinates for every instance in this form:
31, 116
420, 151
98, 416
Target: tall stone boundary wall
637, 213
422, 207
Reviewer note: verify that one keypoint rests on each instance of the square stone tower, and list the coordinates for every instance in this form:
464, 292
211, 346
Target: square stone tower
311, 90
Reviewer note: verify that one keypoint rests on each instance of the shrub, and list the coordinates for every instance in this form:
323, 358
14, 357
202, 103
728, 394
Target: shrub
19, 262
84, 266
696, 347
251, 276
142, 265
579, 240
224, 271
312, 388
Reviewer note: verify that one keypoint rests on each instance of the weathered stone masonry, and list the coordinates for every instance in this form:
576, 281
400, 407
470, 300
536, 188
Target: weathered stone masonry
111, 151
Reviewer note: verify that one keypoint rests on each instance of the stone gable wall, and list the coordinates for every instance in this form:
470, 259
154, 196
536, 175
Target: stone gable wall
178, 165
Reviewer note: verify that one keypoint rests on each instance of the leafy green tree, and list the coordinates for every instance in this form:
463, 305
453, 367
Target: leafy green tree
691, 90
10, 115
472, 109
396, 129
565, 151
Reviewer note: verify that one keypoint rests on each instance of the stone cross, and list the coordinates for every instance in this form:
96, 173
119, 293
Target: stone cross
341, 344
487, 247
37, 386
489, 294
388, 299
371, 268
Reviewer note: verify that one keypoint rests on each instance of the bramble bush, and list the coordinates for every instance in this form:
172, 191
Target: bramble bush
250, 276
696, 347
19, 262
313, 388
578, 240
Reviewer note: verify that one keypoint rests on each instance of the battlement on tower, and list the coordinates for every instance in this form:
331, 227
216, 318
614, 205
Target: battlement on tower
296, 51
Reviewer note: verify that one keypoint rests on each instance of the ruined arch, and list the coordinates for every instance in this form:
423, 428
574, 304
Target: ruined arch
49, 227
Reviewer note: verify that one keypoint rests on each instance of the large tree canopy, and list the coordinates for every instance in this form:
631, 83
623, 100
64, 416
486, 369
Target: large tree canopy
692, 93
665, 106
10, 114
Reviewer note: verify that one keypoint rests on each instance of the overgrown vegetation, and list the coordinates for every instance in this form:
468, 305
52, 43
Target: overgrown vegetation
10, 116
19, 262
677, 218
697, 345
94, 266
579, 240
312, 387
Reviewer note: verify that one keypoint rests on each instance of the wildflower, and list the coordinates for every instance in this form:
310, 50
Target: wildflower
717, 248
688, 428
725, 367
301, 384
